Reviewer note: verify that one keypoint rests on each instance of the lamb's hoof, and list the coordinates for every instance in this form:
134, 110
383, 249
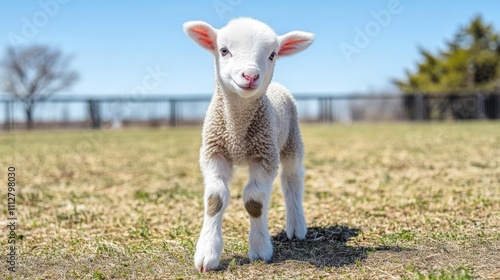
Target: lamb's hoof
203, 269
207, 254
262, 250
297, 229
206, 263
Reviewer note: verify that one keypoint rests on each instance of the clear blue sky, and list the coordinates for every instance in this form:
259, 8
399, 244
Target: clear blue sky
116, 41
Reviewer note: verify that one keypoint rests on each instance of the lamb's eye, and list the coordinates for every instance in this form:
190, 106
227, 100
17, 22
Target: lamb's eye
272, 56
224, 51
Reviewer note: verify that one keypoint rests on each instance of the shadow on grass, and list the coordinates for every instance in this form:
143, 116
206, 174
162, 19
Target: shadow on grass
323, 247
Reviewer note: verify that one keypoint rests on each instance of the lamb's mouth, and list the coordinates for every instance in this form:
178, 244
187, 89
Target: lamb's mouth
248, 87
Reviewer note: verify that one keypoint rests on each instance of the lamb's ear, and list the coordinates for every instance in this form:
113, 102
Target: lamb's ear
294, 42
202, 33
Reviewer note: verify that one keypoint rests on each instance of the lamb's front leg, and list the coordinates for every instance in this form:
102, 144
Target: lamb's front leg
292, 184
216, 172
256, 198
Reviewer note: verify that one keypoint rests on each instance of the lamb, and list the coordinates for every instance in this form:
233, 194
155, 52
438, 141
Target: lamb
249, 121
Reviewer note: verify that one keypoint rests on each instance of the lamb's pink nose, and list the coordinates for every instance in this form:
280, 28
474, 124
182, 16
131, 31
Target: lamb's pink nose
251, 75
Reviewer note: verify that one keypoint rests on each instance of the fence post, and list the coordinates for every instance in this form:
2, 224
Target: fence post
6, 121
330, 111
480, 106
419, 106
320, 111
173, 113
95, 113
323, 109
8, 125
498, 106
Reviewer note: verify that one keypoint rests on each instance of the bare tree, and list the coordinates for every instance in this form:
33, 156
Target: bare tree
34, 73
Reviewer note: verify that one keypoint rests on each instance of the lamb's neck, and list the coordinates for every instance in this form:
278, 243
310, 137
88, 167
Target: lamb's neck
239, 112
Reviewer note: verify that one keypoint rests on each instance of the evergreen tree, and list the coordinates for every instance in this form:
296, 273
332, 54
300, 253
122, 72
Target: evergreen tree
470, 63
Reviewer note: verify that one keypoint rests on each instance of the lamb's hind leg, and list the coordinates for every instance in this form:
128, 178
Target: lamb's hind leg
256, 198
292, 184
216, 172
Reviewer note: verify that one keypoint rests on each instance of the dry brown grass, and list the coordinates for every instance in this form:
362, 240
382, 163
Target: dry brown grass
386, 201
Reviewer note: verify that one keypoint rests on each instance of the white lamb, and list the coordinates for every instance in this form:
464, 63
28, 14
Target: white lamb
249, 121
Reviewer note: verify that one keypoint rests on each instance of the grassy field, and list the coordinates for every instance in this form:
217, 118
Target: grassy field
414, 201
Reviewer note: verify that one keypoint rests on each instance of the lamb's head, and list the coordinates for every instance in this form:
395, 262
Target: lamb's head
245, 52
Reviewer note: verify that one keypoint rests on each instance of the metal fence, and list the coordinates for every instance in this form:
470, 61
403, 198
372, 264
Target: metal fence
106, 112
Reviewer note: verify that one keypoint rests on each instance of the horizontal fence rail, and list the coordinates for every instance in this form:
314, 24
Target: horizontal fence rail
155, 111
